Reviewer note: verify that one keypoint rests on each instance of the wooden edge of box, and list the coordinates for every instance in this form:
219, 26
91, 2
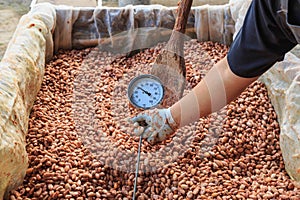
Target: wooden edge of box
74, 3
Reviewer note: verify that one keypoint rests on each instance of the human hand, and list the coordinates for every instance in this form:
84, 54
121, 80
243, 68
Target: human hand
155, 125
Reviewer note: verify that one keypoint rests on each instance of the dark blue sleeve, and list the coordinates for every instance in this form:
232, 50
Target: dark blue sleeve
262, 41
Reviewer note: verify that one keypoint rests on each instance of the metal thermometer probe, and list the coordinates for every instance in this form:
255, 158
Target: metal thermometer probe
143, 123
137, 167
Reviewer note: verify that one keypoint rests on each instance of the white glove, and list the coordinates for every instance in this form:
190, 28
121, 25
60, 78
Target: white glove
156, 125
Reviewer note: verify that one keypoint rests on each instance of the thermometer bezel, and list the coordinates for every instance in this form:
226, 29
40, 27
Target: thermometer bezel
138, 78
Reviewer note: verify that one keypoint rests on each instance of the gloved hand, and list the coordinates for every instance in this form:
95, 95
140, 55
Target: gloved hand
155, 125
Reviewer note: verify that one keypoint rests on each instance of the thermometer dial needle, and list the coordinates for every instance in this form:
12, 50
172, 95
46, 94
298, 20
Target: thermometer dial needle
148, 93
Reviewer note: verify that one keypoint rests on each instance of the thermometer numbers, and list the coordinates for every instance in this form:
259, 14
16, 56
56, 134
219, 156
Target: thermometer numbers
146, 92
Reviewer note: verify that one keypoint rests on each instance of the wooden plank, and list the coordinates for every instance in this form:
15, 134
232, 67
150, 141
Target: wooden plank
75, 3
195, 2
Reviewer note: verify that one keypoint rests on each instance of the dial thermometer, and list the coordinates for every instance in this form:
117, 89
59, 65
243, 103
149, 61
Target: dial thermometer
145, 91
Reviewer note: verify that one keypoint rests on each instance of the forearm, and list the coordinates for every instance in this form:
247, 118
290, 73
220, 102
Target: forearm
219, 87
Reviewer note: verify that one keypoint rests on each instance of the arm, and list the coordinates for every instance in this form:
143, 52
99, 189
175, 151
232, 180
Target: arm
262, 41
217, 89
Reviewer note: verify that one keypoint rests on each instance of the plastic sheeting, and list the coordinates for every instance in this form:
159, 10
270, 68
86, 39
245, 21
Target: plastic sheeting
22, 69
238, 9
84, 27
283, 83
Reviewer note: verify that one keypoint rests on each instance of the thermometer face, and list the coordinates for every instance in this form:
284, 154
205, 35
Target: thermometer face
145, 91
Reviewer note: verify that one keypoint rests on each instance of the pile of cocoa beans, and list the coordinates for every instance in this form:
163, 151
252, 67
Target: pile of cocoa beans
80, 144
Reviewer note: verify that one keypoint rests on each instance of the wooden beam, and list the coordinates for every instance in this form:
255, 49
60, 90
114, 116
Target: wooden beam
75, 3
